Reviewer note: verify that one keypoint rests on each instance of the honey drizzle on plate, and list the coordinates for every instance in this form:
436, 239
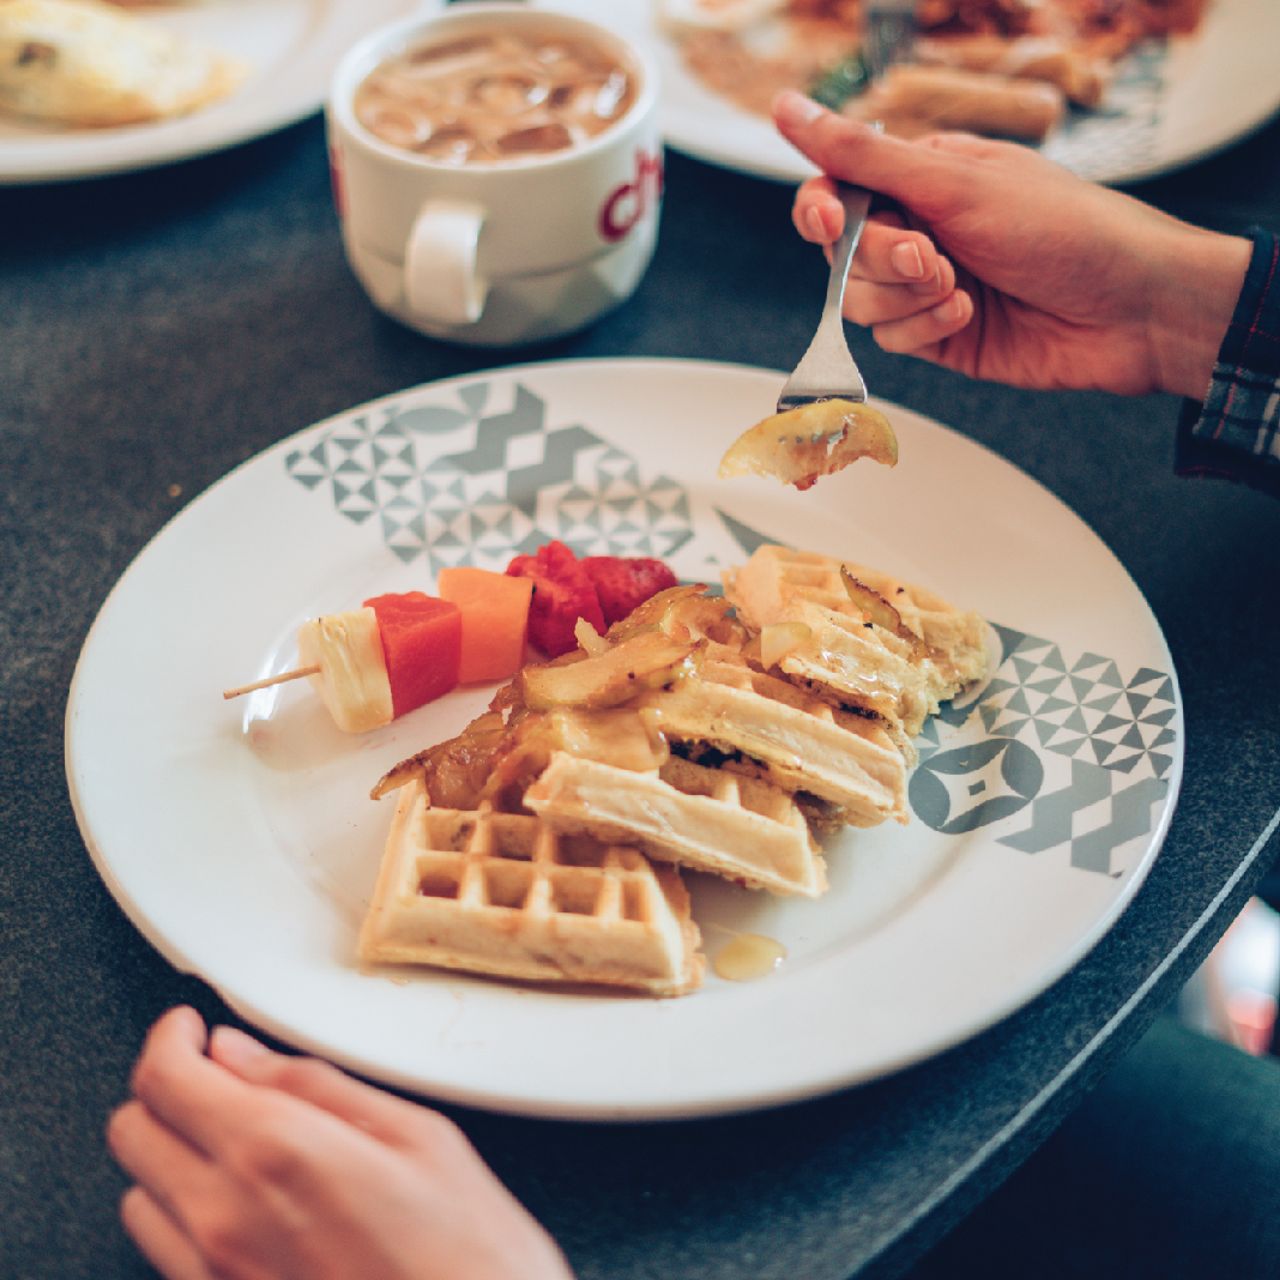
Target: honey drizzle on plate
748, 956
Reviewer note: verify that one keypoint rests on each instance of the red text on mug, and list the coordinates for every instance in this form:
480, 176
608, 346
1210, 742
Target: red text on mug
626, 204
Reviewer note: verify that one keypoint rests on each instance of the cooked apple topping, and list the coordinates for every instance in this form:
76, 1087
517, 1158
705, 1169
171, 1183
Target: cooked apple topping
454, 771
802, 445
590, 641
878, 610
647, 660
781, 638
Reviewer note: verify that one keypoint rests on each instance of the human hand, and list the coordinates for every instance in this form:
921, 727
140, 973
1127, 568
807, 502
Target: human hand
252, 1165
1007, 267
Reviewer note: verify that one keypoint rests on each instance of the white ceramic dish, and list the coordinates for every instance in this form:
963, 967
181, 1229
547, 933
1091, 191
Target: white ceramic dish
1168, 107
240, 838
291, 46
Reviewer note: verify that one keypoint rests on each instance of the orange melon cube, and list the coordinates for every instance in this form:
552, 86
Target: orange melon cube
495, 621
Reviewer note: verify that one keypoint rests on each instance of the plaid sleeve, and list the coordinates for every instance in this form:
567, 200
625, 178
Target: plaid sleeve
1235, 433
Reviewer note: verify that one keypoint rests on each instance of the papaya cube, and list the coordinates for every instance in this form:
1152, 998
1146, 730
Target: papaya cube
495, 621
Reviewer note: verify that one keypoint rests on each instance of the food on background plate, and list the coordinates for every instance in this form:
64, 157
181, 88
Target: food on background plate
1001, 67
749, 52
718, 734
87, 64
914, 100
802, 445
1079, 73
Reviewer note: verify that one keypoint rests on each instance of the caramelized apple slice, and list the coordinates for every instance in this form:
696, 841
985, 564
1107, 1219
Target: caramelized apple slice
778, 639
454, 771
590, 641
815, 440
624, 671
654, 614
875, 608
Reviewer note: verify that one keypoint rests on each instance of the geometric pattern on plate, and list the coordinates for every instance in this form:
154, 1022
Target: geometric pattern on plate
504, 894
708, 819
1083, 708
470, 481
1085, 749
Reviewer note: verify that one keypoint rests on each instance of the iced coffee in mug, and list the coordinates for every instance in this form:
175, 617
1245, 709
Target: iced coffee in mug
498, 171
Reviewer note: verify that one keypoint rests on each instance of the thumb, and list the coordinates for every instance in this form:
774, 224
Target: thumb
923, 178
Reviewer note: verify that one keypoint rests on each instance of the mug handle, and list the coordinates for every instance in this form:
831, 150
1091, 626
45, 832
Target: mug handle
441, 281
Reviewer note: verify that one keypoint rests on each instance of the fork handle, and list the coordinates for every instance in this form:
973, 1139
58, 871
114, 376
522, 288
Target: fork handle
857, 204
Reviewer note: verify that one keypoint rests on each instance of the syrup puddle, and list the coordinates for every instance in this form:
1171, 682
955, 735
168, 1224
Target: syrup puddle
748, 956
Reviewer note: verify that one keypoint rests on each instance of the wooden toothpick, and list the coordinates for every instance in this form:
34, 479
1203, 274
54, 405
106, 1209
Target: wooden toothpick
296, 674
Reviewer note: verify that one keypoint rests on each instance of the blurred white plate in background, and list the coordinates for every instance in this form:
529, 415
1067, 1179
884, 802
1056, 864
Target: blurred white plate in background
1167, 107
291, 48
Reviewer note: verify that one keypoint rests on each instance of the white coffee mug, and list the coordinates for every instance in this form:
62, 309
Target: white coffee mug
504, 252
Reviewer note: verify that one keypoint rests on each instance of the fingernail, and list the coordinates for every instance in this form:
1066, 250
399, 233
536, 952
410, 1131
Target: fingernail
816, 229
237, 1049
795, 110
906, 260
949, 309
185, 1016
932, 285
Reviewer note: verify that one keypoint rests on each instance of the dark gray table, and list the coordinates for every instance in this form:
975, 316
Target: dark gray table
158, 329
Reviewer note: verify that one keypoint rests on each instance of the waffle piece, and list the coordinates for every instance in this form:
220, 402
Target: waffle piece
956, 636
776, 585
493, 759
863, 666
800, 742
708, 819
504, 894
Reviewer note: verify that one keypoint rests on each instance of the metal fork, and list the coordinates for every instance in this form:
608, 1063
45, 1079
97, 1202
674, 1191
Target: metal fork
827, 370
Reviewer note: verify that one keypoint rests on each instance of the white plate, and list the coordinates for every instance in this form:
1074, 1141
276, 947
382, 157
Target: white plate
291, 46
240, 839
1167, 107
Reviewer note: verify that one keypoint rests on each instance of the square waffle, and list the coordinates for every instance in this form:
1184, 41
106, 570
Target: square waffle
739, 827
505, 894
